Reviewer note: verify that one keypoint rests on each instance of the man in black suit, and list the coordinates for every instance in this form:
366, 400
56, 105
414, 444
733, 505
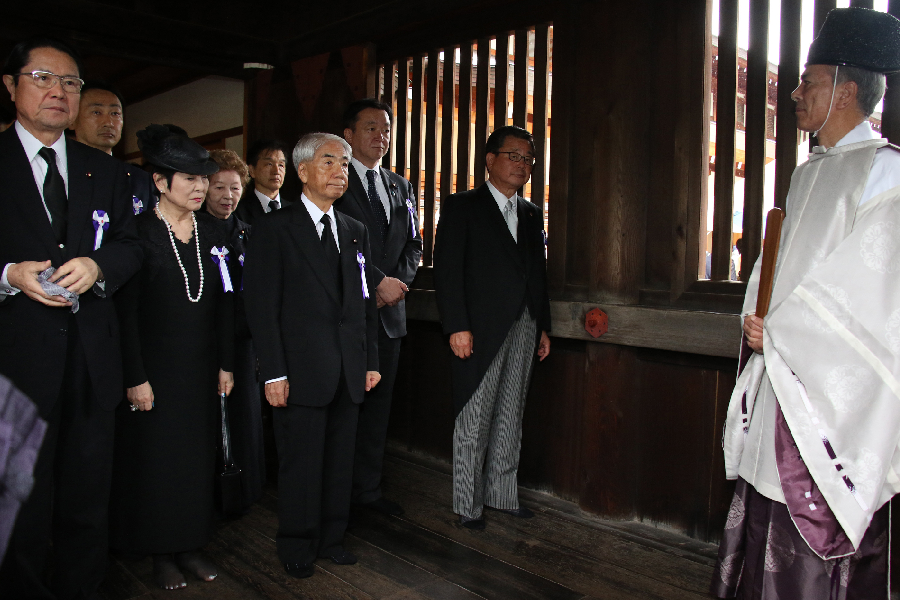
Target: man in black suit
315, 326
64, 205
267, 165
101, 117
386, 204
491, 287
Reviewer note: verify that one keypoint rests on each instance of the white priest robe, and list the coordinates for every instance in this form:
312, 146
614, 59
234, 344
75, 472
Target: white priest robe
832, 337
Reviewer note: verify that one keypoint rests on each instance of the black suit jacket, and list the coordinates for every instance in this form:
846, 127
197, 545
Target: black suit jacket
483, 279
399, 254
249, 209
33, 337
143, 192
303, 326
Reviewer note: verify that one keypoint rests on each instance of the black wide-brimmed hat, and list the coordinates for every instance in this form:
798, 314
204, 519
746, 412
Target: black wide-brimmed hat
858, 37
163, 147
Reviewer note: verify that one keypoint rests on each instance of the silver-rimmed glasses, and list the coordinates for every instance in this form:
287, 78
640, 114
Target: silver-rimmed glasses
46, 80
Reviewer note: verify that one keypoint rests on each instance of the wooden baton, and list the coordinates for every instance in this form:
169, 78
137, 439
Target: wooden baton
770, 253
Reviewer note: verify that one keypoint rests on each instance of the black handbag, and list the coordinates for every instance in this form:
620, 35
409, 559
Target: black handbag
229, 480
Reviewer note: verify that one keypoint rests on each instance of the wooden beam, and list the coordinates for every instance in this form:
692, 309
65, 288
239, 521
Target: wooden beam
788, 78
501, 81
520, 80
464, 118
726, 101
401, 149
389, 96
415, 132
696, 332
431, 121
482, 107
539, 127
448, 80
755, 133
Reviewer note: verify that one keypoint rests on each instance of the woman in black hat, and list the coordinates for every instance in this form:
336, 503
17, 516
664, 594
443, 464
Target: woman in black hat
177, 320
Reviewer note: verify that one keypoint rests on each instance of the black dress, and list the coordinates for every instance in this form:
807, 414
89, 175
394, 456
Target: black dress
164, 466
244, 407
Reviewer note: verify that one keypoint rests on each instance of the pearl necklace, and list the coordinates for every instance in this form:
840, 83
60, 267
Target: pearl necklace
187, 286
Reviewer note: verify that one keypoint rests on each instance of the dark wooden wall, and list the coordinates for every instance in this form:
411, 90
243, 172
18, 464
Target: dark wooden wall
624, 431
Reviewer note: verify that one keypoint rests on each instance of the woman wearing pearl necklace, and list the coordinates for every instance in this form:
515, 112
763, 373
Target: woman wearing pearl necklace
177, 321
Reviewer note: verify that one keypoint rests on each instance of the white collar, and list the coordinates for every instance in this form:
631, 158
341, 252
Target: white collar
861, 133
265, 199
32, 146
501, 200
315, 213
361, 169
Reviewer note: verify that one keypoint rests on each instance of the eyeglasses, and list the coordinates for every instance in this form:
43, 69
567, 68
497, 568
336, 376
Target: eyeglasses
46, 80
516, 157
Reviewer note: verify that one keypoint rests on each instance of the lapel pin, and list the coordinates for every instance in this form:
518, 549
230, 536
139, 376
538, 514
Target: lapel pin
354, 241
88, 174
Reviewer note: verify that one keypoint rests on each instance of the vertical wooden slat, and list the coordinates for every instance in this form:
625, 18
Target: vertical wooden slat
890, 119
464, 114
862, 3
821, 9
520, 80
726, 87
431, 121
401, 116
541, 64
482, 107
788, 77
415, 137
389, 96
755, 133
448, 81
501, 81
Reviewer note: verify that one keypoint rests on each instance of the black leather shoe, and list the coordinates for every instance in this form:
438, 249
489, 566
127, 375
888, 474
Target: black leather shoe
521, 512
340, 557
384, 506
299, 570
476, 524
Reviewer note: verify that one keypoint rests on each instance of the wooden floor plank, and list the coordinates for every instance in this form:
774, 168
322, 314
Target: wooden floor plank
251, 558
561, 554
553, 547
457, 563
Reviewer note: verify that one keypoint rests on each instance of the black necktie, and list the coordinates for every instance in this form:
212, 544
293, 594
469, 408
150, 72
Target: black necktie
274, 205
331, 252
55, 195
377, 206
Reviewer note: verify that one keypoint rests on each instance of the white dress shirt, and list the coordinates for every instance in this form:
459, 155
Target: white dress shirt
315, 213
508, 208
264, 200
379, 185
39, 169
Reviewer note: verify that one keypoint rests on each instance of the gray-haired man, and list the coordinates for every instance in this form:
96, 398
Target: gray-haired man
311, 309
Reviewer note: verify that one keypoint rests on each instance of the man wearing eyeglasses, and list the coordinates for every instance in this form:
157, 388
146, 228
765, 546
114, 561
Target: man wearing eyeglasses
491, 286
62, 205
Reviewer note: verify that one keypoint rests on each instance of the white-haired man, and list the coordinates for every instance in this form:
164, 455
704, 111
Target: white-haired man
312, 312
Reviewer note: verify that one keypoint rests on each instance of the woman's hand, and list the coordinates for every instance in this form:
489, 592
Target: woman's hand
226, 382
140, 396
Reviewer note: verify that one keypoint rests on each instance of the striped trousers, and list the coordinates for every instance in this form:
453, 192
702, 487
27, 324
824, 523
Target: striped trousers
487, 435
